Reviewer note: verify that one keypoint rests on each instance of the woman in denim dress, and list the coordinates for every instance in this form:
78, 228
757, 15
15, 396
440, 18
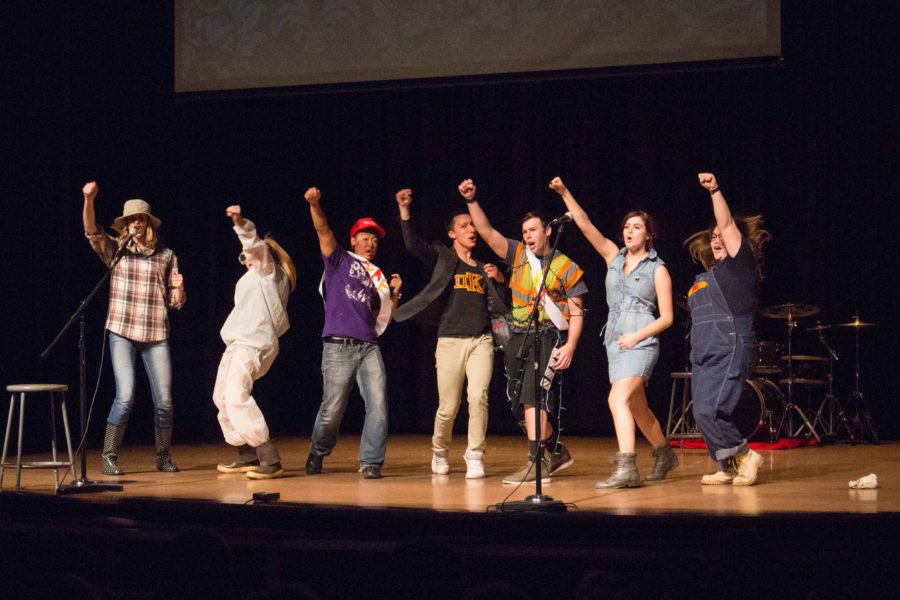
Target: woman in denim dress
637, 284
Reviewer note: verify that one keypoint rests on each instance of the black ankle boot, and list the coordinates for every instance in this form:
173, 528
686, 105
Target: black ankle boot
112, 441
163, 443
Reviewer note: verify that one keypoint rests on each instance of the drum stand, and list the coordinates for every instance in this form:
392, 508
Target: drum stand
830, 407
787, 422
862, 418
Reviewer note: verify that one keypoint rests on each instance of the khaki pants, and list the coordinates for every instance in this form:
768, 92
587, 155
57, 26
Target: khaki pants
239, 416
458, 359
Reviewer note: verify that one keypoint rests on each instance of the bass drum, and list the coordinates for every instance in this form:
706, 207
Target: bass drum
756, 415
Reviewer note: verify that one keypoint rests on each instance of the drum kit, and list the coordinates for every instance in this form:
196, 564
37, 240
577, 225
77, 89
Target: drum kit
809, 375
770, 405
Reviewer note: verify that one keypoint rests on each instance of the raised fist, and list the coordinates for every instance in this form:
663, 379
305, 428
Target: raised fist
467, 190
557, 185
90, 190
313, 195
707, 180
404, 198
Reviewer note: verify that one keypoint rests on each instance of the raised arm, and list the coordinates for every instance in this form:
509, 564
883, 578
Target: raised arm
258, 255
103, 245
662, 281
88, 216
728, 229
327, 241
494, 239
416, 245
603, 245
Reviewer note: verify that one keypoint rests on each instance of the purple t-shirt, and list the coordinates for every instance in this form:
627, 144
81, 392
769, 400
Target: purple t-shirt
351, 299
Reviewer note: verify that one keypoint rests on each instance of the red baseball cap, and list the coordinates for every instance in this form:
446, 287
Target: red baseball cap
366, 223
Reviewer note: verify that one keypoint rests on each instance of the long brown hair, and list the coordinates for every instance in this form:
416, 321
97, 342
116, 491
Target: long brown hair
700, 248
283, 259
150, 237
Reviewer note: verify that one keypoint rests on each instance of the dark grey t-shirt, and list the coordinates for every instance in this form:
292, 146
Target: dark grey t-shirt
465, 311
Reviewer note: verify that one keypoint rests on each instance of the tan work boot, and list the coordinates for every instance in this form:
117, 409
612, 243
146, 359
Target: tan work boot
718, 478
527, 473
747, 467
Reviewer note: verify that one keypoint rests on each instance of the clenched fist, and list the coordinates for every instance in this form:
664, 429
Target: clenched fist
467, 190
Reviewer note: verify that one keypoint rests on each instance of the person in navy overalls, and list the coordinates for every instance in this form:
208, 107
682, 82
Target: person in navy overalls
723, 302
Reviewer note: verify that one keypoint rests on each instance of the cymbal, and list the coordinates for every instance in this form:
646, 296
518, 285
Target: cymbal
803, 358
801, 381
819, 328
789, 311
856, 323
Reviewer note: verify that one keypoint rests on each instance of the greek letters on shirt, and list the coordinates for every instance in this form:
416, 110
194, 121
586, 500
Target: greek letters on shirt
472, 282
358, 272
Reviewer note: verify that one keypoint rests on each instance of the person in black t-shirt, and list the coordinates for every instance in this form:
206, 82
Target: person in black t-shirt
723, 302
463, 296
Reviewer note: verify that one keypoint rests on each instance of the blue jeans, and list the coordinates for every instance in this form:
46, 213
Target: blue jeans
158, 365
342, 364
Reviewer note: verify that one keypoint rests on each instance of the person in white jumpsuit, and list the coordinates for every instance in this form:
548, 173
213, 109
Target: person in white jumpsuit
251, 335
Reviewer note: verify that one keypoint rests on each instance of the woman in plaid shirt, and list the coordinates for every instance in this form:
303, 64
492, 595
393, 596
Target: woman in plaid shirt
144, 285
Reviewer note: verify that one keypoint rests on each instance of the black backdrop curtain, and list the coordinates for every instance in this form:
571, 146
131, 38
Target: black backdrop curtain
810, 142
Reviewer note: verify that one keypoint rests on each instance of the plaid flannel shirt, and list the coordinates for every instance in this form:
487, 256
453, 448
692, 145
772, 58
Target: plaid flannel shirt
139, 292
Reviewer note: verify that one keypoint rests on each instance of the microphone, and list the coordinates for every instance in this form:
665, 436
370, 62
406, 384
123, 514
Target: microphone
131, 233
566, 218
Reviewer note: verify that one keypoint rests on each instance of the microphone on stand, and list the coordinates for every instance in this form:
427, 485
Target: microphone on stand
566, 218
118, 256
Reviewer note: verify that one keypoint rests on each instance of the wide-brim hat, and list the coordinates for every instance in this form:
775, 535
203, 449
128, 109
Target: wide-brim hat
135, 207
367, 223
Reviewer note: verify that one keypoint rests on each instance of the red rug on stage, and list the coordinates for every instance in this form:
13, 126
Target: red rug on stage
782, 444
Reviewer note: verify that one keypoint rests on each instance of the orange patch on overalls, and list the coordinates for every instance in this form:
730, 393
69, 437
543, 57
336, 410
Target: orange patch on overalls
696, 288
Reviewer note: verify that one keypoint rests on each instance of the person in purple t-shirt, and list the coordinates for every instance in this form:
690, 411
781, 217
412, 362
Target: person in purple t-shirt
359, 301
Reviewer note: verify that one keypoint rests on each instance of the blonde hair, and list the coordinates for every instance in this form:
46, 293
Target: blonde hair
150, 239
700, 248
283, 259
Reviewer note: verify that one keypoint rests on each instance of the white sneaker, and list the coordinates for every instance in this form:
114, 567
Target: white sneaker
474, 464
439, 463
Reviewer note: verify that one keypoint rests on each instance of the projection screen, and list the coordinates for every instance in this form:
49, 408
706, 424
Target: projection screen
240, 44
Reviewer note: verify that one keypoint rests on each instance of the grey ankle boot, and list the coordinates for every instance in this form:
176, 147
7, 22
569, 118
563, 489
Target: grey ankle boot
666, 460
112, 441
163, 444
626, 474
246, 461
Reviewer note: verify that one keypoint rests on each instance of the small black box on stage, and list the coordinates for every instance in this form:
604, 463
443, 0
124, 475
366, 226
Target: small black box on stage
265, 497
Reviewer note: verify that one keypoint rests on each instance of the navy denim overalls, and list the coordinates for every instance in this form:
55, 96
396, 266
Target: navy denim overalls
723, 351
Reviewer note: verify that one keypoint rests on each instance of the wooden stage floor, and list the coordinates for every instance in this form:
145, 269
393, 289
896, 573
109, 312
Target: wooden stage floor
335, 530
806, 480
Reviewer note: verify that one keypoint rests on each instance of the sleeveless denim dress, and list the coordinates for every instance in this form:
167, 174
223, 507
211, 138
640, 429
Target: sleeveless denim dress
723, 352
632, 306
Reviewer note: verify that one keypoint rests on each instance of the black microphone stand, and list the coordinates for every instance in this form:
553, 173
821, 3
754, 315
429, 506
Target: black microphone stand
537, 501
83, 484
